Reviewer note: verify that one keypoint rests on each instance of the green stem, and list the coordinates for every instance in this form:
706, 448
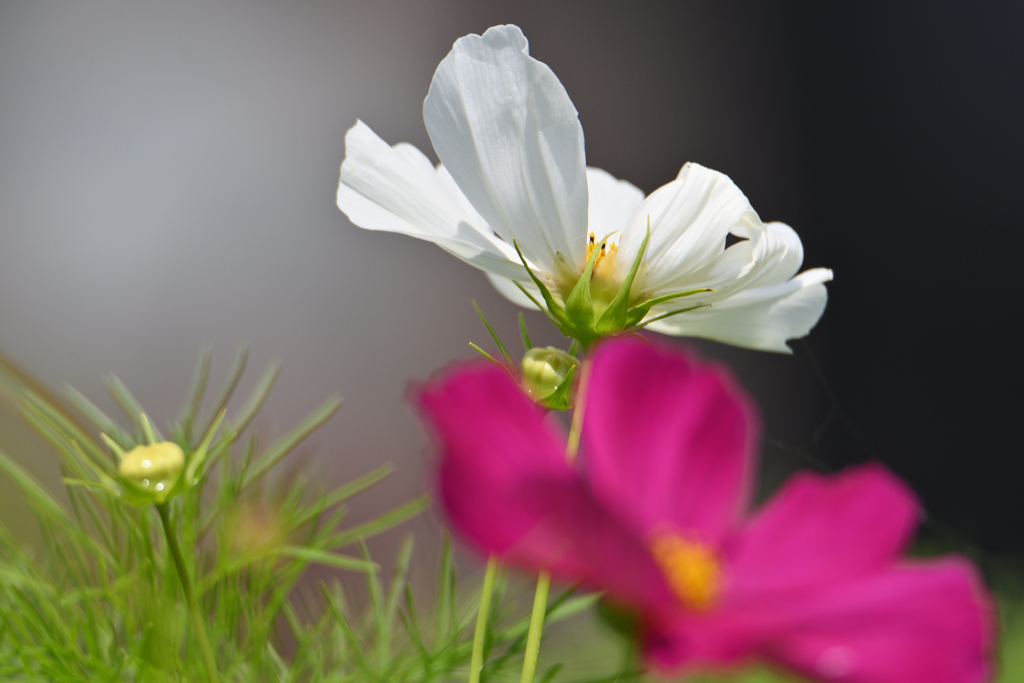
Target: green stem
572, 446
540, 598
190, 596
540, 606
476, 662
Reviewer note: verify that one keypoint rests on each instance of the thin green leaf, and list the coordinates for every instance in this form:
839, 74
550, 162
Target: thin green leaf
494, 335
198, 457
637, 313
398, 581
670, 314
376, 593
114, 447
382, 523
128, 403
570, 607
336, 604
289, 441
550, 674
445, 594
228, 388
98, 418
200, 378
148, 430
62, 428
343, 493
524, 332
45, 504
255, 400
327, 559
71, 456
28, 387
488, 356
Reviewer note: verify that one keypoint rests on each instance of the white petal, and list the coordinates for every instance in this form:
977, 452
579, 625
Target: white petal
762, 318
508, 289
689, 220
778, 254
611, 204
508, 133
396, 189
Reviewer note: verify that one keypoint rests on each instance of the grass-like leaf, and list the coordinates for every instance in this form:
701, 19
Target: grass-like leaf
292, 439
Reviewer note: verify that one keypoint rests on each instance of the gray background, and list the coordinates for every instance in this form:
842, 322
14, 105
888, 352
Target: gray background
167, 179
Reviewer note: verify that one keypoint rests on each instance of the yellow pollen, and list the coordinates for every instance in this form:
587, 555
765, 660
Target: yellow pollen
691, 569
604, 247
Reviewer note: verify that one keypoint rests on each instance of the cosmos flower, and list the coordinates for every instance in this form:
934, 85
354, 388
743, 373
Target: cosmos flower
601, 257
657, 514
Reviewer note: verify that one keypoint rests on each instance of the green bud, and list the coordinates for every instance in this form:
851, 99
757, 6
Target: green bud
150, 473
547, 377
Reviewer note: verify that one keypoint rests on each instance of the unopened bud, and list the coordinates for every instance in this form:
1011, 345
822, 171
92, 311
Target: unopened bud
547, 377
150, 473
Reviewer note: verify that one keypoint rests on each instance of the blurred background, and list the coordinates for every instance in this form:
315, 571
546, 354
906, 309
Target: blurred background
167, 181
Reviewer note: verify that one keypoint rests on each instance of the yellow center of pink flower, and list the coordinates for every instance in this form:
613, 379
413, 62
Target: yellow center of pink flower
691, 569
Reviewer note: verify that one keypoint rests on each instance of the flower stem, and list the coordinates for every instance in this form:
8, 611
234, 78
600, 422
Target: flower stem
540, 606
572, 446
190, 596
540, 598
476, 662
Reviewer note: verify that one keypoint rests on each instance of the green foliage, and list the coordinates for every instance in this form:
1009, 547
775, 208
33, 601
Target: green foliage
104, 602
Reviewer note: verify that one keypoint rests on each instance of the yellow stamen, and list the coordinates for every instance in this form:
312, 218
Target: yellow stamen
605, 248
691, 569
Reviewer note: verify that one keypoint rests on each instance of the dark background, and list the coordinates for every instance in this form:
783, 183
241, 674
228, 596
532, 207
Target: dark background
167, 174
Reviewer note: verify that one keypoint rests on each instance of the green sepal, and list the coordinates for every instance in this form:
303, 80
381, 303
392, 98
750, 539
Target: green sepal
671, 313
114, 446
579, 305
494, 335
563, 397
525, 333
487, 355
575, 349
554, 310
637, 313
557, 323
193, 470
613, 319
135, 493
147, 429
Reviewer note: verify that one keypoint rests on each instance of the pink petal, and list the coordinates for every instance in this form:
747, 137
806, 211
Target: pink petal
507, 488
925, 623
596, 549
669, 442
818, 530
493, 442
675, 640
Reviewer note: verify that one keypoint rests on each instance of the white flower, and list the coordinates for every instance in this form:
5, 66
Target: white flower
514, 174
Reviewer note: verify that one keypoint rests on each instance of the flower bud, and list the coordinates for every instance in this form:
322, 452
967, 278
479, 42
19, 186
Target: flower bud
150, 473
547, 377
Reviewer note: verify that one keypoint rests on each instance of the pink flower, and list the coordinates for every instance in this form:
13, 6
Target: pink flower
657, 514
